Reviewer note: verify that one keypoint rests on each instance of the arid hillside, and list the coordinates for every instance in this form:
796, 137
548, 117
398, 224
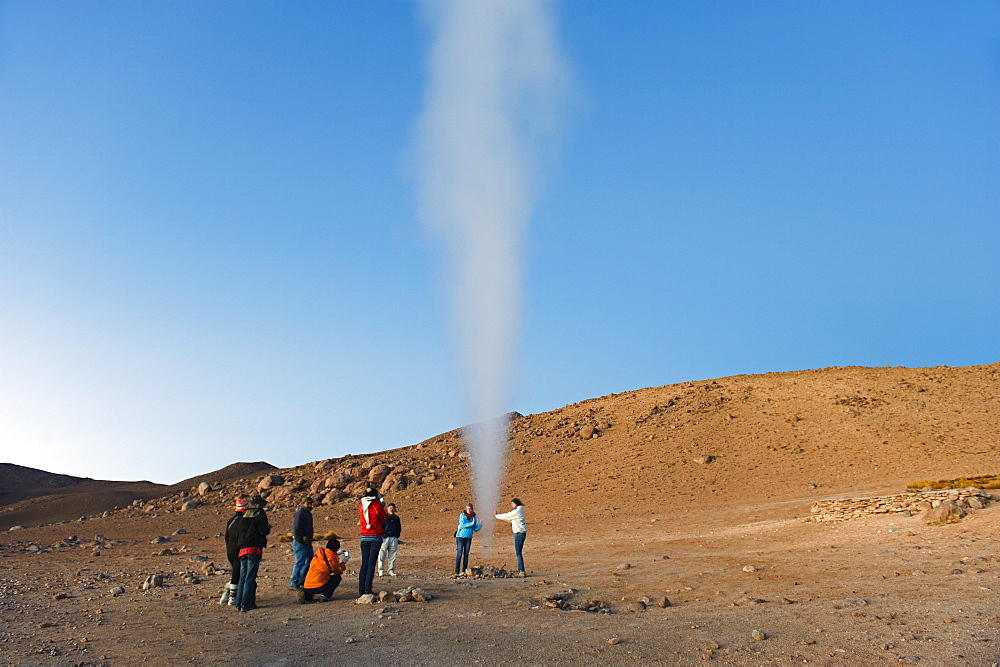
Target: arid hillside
770, 437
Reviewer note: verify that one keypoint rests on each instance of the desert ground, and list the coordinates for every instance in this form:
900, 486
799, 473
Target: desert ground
695, 496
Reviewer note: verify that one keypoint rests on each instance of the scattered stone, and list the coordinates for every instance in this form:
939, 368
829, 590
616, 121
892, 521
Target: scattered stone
191, 578
152, 581
614, 640
159, 540
180, 531
386, 596
637, 605
204, 488
850, 602
367, 598
587, 432
350, 640
117, 590
17, 527
624, 566
704, 458
749, 568
663, 602
757, 635
60, 596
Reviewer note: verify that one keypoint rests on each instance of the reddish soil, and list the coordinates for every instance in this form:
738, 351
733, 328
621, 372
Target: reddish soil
728, 542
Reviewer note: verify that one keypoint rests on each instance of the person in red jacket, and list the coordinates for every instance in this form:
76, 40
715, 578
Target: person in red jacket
325, 569
371, 517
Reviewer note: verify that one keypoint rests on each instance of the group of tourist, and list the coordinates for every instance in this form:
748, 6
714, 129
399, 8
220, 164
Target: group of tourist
318, 572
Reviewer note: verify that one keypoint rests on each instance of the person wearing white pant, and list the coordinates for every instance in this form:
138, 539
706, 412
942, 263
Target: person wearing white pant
390, 543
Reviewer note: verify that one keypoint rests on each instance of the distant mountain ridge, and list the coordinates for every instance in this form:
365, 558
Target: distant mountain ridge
29, 495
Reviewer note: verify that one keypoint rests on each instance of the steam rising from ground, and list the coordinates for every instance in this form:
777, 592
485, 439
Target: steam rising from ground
495, 83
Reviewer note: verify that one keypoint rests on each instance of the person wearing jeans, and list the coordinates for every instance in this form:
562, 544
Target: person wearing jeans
251, 531
371, 517
325, 572
520, 528
468, 525
302, 537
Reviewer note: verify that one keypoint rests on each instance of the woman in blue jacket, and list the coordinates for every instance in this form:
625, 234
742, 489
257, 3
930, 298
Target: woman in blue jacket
468, 525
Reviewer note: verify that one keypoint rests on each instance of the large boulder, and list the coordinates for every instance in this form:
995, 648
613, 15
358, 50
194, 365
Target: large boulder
355, 489
337, 480
394, 482
267, 481
190, 504
378, 474
204, 488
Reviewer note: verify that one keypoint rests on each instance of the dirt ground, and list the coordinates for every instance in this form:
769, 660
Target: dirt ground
877, 590
698, 492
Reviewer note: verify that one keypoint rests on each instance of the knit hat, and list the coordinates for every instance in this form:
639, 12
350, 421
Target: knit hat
242, 504
516, 501
370, 493
307, 500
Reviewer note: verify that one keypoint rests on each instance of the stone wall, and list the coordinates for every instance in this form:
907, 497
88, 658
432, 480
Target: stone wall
845, 509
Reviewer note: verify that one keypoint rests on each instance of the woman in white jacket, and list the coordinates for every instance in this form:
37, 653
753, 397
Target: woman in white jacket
520, 528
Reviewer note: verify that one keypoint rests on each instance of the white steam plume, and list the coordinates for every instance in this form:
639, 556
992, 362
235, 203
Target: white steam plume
495, 84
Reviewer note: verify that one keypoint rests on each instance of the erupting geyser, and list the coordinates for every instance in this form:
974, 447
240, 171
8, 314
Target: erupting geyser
495, 81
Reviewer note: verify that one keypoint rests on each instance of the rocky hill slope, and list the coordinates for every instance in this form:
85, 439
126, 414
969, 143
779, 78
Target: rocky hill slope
775, 437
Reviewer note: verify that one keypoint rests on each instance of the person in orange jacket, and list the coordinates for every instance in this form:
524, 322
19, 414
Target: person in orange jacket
324, 573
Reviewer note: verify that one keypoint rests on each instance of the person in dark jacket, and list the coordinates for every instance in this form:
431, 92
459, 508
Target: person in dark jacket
233, 553
390, 542
302, 537
251, 538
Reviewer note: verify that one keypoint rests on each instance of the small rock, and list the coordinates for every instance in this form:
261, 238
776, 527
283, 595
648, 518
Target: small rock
367, 598
757, 635
635, 606
190, 505
749, 568
421, 595
204, 488
614, 640
17, 527
117, 590
624, 566
180, 531
159, 540
350, 640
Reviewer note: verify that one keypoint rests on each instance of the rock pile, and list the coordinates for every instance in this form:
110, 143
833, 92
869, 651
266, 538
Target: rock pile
845, 509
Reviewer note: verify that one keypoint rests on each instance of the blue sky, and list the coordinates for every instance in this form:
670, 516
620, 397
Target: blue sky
210, 249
